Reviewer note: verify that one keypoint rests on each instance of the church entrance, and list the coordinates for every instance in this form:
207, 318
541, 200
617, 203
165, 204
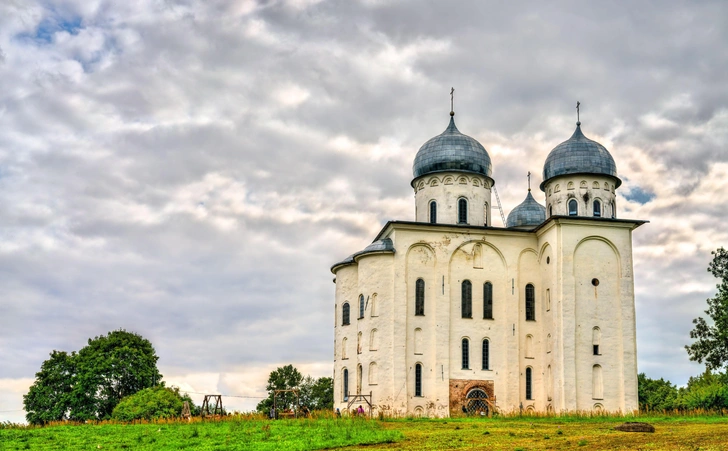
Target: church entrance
476, 402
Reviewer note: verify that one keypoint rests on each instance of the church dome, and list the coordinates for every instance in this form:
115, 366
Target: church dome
452, 151
528, 213
579, 155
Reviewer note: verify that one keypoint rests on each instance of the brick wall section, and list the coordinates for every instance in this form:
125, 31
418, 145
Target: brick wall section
459, 389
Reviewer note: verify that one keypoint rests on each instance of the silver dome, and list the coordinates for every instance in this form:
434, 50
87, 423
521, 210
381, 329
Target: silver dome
528, 213
378, 247
579, 155
452, 151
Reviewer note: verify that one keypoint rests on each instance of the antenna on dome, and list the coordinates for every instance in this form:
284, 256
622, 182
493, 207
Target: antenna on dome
452, 101
529, 181
578, 121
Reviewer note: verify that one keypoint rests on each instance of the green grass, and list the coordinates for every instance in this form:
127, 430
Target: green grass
231, 434
592, 432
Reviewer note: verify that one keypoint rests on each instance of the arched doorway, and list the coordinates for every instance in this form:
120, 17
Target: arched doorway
476, 402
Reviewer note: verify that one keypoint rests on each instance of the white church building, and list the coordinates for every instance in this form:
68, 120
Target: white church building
449, 314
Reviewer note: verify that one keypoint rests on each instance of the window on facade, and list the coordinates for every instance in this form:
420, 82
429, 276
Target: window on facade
373, 310
477, 402
373, 340
373, 373
346, 384
418, 341
462, 211
486, 354
433, 212
488, 300
548, 293
361, 306
597, 208
549, 384
551, 210
573, 208
343, 348
345, 314
420, 297
358, 343
418, 380
596, 339
359, 376
529, 383
466, 299
614, 210
530, 303
529, 346
466, 354
597, 382
485, 214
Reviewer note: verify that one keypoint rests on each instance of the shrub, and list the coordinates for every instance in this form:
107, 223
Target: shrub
150, 404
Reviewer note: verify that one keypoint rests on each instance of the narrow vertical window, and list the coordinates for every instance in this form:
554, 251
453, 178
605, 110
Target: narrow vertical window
573, 208
346, 384
466, 354
597, 208
343, 348
466, 301
462, 211
596, 338
530, 303
485, 214
529, 383
529, 346
361, 306
359, 375
486, 354
549, 384
373, 340
548, 299
614, 210
418, 341
433, 212
373, 306
551, 210
418, 380
488, 300
420, 297
358, 343
597, 382
373, 373
345, 314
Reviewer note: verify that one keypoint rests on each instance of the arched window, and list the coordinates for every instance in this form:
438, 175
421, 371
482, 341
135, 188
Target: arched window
433, 212
462, 211
359, 376
343, 348
477, 402
418, 380
529, 346
486, 354
345, 388
358, 343
596, 338
466, 299
373, 373
485, 214
614, 210
466, 354
361, 306
418, 341
373, 310
373, 340
345, 314
529, 383
573, 208
420, 297
597, 382
530, 303
487, 300
597, 208
551, 210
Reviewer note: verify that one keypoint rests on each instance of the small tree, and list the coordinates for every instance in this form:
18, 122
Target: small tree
656, 394
152, 403
283, 378
317, 394
711, 345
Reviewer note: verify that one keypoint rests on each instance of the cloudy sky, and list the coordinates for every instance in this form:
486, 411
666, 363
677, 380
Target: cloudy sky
189, 170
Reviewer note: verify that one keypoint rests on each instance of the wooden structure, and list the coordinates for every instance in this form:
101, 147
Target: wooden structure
209, 411
359, 397
186, 413
293, 414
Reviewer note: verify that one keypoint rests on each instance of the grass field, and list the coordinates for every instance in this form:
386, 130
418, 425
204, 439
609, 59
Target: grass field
703, 433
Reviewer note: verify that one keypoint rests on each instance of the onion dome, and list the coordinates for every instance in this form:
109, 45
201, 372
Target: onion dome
579, 155
452, 151
528, 214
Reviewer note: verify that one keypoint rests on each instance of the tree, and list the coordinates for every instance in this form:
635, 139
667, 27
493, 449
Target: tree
152, 403
317, 394
711, 345
656, 394
88, 385
283, 378
709, 391
49, 398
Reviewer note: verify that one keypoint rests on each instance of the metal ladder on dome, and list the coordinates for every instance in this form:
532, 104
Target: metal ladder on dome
499, 207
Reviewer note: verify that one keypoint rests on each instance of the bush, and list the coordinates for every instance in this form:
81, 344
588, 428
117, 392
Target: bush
151, 404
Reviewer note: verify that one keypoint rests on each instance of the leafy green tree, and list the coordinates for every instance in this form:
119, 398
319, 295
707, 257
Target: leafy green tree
711, 345
88, 385
317, 394
709, 391
283, 378
151, 403
49, 398
656, 394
